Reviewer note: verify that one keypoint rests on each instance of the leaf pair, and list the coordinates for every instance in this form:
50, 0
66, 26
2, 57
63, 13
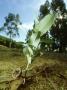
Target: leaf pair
40, 28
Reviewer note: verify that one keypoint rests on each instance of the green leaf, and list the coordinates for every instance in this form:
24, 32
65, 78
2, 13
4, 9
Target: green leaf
40, 28
45, 24
28, 52
29, 58
33, 38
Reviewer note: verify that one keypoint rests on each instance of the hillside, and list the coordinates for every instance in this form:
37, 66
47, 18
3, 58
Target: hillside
5, 42
49, 72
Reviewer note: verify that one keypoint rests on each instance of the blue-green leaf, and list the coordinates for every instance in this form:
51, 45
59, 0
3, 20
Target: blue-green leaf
45, 24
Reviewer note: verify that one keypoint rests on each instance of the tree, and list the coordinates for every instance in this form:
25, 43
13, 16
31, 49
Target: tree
44, 9
58, 4
58, 32
10, 26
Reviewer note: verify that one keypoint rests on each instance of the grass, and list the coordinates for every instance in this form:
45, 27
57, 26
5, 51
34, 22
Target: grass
53, 77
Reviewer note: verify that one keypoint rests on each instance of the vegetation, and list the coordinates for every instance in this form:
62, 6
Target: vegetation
40, 28
58, 31
47, 72
11, 26
6, 41
26, 65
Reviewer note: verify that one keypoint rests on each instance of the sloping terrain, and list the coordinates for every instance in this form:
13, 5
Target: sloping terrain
47, 72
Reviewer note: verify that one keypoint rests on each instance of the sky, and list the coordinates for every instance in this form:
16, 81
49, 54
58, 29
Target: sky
28, 11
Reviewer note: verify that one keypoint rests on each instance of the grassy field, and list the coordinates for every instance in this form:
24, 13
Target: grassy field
52, 77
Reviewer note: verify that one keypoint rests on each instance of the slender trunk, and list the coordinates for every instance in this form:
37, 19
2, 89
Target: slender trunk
10, 41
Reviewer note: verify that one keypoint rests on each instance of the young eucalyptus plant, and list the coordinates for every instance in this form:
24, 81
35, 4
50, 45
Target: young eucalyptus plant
40, 28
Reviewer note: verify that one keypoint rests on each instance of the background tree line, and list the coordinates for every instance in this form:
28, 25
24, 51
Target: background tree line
57, 37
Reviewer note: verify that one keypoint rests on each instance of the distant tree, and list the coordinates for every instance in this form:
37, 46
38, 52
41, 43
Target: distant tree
58, 32
10, 26
44, 9
58, 4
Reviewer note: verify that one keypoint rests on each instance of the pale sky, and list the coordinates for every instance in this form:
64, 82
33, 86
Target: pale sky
27, 9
